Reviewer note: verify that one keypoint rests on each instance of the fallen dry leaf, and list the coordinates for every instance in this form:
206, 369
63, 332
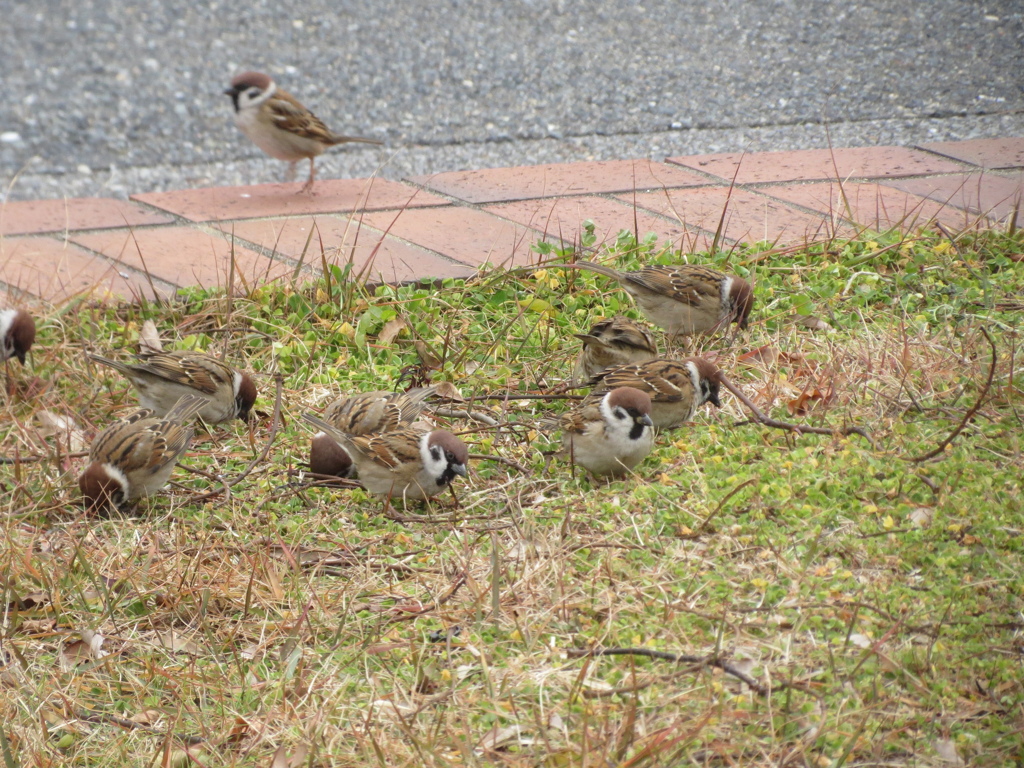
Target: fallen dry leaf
768, 355
810, 321
149, 338
921, 516
765, 354
64, 427
29, 602
89, 648
147, 717
498, 737
426, 354
448, 391
946, 750
800, 407
391, 329
174, 641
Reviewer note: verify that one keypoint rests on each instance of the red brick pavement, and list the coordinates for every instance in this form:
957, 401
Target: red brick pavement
451, 224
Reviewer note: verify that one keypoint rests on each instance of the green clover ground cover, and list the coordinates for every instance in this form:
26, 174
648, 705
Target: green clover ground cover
876, 601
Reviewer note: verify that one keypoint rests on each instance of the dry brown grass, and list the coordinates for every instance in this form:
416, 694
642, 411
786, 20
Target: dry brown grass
875, 602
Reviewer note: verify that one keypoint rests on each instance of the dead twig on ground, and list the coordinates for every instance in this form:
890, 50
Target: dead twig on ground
799, 429
680, 658
967, 416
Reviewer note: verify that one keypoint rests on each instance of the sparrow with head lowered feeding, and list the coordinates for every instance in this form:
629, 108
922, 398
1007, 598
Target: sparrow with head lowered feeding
162, 378
362, 414
408, 463
276, 122
610, 435
17, 334
617, 341
687, 299
677, 388
135, 457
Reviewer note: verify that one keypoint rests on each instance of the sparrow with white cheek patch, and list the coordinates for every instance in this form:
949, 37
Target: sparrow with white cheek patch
278, 124
17, 333
162, 378
408, 463
684, 300
677, 388
609, 436
618, 341
362, 414
135, 457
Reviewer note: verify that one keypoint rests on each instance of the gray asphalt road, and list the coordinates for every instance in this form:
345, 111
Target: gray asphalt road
107, 98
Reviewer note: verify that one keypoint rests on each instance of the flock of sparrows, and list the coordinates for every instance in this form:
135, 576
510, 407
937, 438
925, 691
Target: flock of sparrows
375, 436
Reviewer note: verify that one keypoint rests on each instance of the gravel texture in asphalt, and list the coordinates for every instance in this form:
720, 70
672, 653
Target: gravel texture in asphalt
107, 98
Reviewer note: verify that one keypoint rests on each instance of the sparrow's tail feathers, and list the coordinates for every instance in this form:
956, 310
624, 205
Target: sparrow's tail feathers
186, 408
345, 441
600, 268
116, 365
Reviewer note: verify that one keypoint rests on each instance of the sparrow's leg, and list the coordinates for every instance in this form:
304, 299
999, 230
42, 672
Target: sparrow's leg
308, 186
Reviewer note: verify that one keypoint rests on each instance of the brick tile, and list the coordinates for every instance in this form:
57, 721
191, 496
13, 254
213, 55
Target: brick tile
985, 193
988, 153
55, 270
529, 181
332, 196
35, 217
750, 217
463, 234
817, 164
184, 256
392, 260
874, 206
563, 218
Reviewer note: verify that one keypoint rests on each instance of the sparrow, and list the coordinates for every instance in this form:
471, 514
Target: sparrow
161, 378
277, 123
362, 414
135, 457
611, 435
684, 300
409, 463
677, 388
618, 341
17, 332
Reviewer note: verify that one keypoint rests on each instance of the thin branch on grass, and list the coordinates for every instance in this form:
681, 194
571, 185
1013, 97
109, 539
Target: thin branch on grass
520, 396
700, 529
104, 718
703, 661
461, 413
501, 460
799, 429
970, 413
36, 457
459, 582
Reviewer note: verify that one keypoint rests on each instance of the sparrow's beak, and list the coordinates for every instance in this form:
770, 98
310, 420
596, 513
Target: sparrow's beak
231, 92
21, 357
460, 469
645, 420
713, 399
